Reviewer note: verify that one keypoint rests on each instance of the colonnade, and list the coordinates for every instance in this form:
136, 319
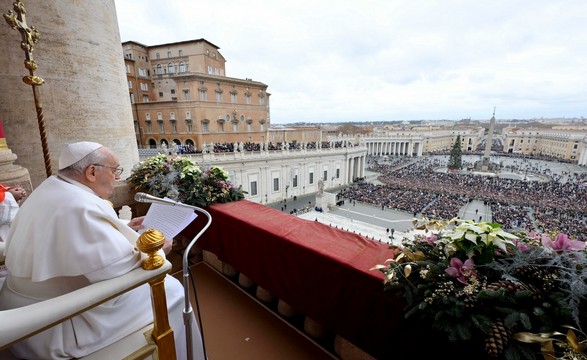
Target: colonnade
379, 147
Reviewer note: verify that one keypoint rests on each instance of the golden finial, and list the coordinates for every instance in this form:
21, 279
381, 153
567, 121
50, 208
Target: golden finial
30, 36
150, 242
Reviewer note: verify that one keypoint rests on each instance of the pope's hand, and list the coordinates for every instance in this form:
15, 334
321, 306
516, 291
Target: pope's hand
18, 192
137, 223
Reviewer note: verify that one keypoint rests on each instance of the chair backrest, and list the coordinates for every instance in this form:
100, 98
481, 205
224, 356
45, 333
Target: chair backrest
21, 323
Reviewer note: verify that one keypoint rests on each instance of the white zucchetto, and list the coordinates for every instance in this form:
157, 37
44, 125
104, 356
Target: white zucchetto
75, 152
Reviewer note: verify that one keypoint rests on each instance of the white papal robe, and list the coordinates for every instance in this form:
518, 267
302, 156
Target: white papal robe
64, 237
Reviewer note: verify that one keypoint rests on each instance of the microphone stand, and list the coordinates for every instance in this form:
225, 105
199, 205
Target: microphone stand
188, 311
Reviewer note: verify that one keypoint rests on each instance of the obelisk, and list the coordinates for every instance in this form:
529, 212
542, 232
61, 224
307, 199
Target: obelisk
487, 153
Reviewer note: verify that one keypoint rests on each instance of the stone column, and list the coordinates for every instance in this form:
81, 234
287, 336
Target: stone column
85, 95
11, 174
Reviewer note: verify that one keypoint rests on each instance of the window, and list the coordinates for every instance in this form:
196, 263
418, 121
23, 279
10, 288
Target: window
205, 127
145, 98
233, 98
181, 67
173, 127
148, 116
186, 94
144, 87
132, 98
159, 116
262, 127
172, 115
157, 56
149, 127
170, 68
129, 84
160, 94
188, 115
218, 96
188, 124
295, 180
248, 99
172, 91
249, 127
169, 54
142, 72
159, 69
275, 184
234, 127
338, 173
128, 69
253, 188
161, 128
262, 101
325, 178
180, 52
311, 179
203, 95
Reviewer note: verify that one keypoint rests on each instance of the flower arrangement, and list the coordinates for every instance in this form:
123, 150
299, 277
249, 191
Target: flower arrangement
510, 296
181, 179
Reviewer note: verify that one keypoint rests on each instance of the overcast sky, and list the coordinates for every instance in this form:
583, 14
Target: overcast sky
382, 60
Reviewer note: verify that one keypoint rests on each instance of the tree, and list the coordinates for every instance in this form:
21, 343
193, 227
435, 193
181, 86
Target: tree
455, 161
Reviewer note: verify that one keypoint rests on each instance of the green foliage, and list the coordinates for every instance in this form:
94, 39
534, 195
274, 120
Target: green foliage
464, 278
183, 180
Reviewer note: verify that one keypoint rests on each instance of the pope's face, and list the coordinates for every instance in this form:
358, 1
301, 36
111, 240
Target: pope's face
106, 176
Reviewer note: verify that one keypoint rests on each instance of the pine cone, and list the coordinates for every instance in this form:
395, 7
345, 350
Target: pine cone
470, 301
512, 287
498, 339
537, 275
526, 272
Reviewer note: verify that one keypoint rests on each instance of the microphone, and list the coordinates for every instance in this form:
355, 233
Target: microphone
146, 198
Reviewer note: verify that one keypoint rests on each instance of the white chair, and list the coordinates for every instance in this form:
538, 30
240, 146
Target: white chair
154, 341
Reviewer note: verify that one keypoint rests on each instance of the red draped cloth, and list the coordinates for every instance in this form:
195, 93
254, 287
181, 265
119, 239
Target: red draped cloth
321, 271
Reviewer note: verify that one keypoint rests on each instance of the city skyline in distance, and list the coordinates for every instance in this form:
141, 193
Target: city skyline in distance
341, 61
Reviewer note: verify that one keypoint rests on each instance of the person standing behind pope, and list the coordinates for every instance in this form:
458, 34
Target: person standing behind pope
66, 236
10, 198
9, 204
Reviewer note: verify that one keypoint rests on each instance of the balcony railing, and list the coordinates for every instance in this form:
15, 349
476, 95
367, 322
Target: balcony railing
307, 268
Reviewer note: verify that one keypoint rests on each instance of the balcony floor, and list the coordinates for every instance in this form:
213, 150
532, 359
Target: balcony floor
237, 326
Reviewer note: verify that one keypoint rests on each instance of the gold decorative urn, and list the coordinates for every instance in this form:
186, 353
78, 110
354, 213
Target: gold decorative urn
150, 242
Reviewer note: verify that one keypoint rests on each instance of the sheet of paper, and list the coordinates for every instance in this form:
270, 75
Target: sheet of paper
169, 220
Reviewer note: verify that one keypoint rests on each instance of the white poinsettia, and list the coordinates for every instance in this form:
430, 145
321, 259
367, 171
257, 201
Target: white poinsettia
483, 232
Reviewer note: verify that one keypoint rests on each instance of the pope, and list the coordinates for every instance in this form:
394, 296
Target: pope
65, 236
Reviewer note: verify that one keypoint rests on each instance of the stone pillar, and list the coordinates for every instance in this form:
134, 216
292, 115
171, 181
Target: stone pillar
85, 95
11, 174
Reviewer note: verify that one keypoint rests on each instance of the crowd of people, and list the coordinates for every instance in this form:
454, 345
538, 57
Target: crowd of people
416, 186
227, 147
